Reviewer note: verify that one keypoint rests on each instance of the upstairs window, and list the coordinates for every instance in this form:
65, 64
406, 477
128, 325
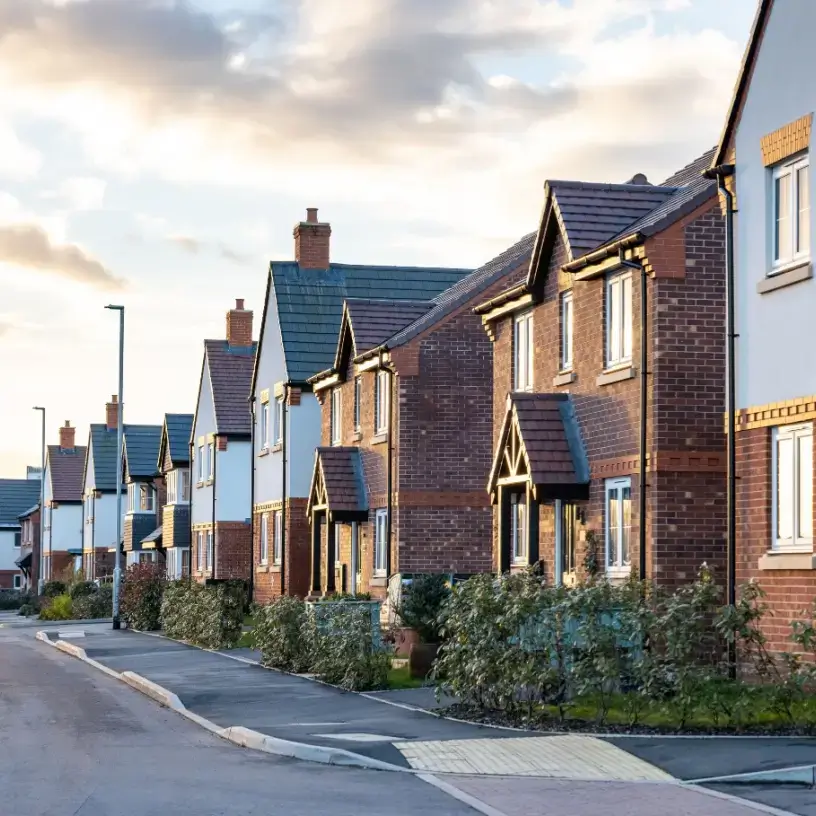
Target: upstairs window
523, 353
264, 425
141, 498
619, 319
202, 473
178, 486
791, 212
277, 426
793, 487
566, 331
210, 460
381, 402
336, 416
358, 393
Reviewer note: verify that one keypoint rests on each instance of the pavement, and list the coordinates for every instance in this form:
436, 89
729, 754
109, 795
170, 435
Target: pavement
493, 771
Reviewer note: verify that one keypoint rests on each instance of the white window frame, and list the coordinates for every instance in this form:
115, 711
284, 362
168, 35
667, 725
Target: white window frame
277, 541
380, 542
618, 311
201, 463
358, 394
265, 426
201, 557
567, 324
147, 498
210, 460
171, 480
336, 418
523, 352
519, 529
17, 581
89, 507
18, 538
277, 426
793, 433
381, 404
616, 565
336, 543
797, 254
210, 550
265, 538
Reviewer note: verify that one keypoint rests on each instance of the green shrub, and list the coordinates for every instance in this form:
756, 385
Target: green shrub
141, 599
54, 588
80, 589
422, 605
60, 608
27, 610
284, 634
346, 651
208, 616
98, 604
11, 599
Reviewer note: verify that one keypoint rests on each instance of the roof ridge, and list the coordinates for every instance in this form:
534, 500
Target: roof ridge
611, 186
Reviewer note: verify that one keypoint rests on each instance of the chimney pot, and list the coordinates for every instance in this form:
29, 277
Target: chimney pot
312, 242
67, 436
311, 215
239, 325
239, 304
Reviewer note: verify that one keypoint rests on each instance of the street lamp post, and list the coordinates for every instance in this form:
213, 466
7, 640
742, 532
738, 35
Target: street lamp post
40, 570
117, 570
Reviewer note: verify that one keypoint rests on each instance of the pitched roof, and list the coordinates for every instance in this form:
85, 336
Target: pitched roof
176, 432
66, 470
310, 304
103, 449
31, 510
141, 450
743, 80
230, 370
338, 480
16, 498
551, 442
374, 321
468, 288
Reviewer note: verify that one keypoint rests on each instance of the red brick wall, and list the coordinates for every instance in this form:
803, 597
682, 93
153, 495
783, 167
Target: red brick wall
685, 508
233, 546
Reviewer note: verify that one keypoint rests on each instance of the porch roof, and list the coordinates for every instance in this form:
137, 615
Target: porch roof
338, 484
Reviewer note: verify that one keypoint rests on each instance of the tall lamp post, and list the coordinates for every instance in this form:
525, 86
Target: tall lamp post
40, 570
117, 570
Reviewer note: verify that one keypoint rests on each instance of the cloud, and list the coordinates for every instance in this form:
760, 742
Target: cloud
185, 242
80, 193
194, 246
30, 247
17, 161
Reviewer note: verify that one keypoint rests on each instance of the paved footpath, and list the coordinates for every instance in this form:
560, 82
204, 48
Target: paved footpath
501, 772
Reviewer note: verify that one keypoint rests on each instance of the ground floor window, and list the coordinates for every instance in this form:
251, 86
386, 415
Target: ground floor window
618, 524
18, 581
178, 563
264, 538
793, 487
569, 521
277, 543
518, 527
380, 542
209, 549
201, 555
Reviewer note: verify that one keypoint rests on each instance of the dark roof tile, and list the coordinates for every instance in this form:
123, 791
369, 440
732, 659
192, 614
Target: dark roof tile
16, 498
374, 321
341, 471
230, 370
66, 471
176, 434
141, 450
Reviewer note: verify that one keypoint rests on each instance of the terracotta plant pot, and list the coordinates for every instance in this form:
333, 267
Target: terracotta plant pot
421, 658
405, 638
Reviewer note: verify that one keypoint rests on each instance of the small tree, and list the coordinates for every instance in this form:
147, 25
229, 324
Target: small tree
422, 605
142, 592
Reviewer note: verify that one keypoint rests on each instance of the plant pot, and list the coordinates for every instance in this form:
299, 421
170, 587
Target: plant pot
404, 639
420, 659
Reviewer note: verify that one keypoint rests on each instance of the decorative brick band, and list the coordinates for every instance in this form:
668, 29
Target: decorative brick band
788, 140
267, 507
801, 409
432, 498
202, 527
661, 461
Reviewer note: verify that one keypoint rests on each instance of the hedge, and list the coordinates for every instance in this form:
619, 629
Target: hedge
208, 616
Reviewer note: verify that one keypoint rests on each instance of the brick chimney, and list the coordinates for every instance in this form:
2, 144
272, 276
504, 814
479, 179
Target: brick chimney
312, 239
239, 325
67, 434
112, 413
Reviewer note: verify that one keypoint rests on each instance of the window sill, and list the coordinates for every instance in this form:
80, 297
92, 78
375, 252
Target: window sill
261, 452
274, 568
785, 277
358, 435
564, 378
787, 560
379, 439
615, 375
378, 581
618, 573
277, 447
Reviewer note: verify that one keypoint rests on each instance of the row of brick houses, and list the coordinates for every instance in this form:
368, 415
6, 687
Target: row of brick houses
561, 407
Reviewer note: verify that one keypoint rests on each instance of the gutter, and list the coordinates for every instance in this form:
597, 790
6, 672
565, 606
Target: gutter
389, 484
191, 446
251, 593
500, 299
284, 485
608, 251
213, 567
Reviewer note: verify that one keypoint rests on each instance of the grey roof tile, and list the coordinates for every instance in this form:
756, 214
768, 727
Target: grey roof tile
103, 448
141, 450
176, 434
67, 469
310, 304
230, 370
342, 473
374, 321
16, 498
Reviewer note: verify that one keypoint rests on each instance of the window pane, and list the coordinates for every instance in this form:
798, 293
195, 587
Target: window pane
784, 488
566, 322
612, 522
782, 238
805, 468
803, 209
626, 525
626, 318
528, 378
614, 332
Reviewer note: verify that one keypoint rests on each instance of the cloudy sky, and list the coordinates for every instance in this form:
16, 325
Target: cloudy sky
157, 153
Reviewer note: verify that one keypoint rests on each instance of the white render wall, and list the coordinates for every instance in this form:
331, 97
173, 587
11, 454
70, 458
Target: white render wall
232, 481
776, 330
8, 552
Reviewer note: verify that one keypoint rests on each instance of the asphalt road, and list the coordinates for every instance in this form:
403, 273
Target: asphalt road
74, 742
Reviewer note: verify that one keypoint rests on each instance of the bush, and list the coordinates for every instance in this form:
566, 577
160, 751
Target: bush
11, 599
422, 605
284, 634
59, 609
208, 616
346, 651
97, 604
80, 589
27, 610
54, 588
141, 600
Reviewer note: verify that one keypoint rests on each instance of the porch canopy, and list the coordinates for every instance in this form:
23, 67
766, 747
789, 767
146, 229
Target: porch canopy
337, 494
152, 540
540, 456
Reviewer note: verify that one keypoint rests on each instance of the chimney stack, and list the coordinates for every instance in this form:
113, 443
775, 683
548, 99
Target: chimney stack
67, 435
112, 413
239, 325
312, 239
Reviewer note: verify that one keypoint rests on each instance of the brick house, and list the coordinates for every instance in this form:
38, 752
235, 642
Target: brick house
28, 558
146, 494
62, 523
16, 498
398, 481
569, 376
303, 308
763, 160
174, 465
220, 496
99, 496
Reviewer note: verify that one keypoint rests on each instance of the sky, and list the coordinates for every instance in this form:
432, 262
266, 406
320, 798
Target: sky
157, 154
